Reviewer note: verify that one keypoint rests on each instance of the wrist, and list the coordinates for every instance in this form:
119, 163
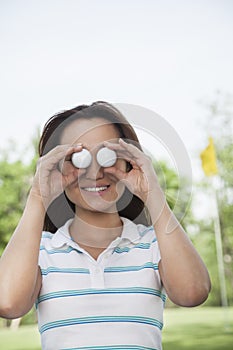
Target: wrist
156, 203
35, 200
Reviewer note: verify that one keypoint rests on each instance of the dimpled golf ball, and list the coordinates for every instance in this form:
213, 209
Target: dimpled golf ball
81, 159
106, 157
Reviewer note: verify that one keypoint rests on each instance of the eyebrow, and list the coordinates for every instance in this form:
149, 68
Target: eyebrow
96, 147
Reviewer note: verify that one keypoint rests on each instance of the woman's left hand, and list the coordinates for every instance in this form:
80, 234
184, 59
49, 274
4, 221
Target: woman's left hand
141, 179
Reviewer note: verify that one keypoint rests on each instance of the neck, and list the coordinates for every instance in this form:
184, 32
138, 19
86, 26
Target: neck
96, 229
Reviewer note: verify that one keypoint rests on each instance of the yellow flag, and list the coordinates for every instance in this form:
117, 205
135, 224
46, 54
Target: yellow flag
208, 159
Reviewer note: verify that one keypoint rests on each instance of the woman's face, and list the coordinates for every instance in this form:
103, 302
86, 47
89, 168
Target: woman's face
94, 190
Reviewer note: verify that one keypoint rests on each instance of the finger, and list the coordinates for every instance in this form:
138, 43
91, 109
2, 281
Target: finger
70, 178
117, 173
65, 161
65, 167
61, 151
130, 148
121, 151
120, 175
124, 148
142, 160
131, 153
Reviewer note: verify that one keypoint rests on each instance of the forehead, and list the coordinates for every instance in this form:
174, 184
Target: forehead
91, 131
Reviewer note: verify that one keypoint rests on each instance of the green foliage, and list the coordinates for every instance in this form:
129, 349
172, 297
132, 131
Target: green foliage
204, 241
177, 190
225, 161
15, 180
14, 184
220, 127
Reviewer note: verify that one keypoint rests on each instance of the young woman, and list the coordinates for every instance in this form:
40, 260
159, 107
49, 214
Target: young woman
97, 245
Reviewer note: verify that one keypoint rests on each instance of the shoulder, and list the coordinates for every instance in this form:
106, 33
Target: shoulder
138, 232
46, 237
143, 237
56, 240
146, 231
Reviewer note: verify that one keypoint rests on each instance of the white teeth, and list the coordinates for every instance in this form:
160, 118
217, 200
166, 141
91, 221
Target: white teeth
95, 189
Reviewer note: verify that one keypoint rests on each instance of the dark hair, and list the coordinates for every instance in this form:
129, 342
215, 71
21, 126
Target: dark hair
62, 209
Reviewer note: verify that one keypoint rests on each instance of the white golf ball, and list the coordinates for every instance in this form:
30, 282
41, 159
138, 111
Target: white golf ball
106, 157
81, 159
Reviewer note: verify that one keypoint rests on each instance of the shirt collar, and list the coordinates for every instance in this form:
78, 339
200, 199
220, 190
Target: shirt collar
62, 236
129, 233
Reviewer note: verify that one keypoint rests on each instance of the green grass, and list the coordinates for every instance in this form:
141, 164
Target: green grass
197, 328
25, 338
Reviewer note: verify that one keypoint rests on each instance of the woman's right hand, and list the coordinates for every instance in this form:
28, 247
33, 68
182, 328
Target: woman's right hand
55, 172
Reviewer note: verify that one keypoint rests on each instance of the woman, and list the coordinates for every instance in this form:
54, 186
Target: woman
110, 244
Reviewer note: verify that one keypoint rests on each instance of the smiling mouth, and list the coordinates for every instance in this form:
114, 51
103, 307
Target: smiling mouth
95, 189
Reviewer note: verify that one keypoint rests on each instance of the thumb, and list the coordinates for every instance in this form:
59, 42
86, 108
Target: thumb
117, 173
120, 176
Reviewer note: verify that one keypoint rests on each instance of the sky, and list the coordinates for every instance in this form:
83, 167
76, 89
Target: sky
163, 56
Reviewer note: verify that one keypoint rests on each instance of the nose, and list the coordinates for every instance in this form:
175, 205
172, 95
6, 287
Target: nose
94, 171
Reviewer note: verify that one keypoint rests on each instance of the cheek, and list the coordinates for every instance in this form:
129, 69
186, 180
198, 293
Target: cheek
72, 191
69, 194
120, 189
66, 167
122, 165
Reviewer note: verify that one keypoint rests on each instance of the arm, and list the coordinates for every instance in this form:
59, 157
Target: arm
183, 273
20, 277
182, 270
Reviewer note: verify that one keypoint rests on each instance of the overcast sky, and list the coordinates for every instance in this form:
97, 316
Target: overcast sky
164, 56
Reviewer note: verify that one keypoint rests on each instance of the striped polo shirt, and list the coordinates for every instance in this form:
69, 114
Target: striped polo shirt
114, 302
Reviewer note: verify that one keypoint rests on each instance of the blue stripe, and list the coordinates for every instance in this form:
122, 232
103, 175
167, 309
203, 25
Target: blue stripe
101, 319
109, 347
57, 251
143, 245
84, 292
148, 265
53, 269
47, 235
127, 249
148, 229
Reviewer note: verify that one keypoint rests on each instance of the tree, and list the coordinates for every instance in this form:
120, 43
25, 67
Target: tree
15, 181
15, 177
178, 196
220, 127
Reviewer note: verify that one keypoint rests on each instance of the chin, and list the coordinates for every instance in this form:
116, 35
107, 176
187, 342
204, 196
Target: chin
102, 209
